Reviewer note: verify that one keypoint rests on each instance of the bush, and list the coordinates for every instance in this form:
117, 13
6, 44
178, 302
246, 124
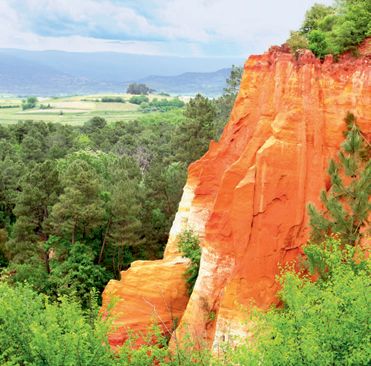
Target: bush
34, 331
45, 106
37, 332
321, 323
138, 99
112, 100
162, 105
335, 29
189, 245
297, 41
318, 43
139, 89
29, 103
8, 106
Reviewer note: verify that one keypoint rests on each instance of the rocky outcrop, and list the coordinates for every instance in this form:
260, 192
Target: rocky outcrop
247, 196
150, 292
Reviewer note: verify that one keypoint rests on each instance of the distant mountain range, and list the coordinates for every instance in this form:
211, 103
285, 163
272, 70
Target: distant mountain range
46, 73
209, 83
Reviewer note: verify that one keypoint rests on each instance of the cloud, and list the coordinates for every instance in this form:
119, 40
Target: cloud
182, 27
239, 22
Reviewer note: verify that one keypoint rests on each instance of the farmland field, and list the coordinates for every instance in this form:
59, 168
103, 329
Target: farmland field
71, 110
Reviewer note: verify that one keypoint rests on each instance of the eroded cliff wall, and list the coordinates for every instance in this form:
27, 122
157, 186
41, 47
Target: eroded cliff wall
247, 196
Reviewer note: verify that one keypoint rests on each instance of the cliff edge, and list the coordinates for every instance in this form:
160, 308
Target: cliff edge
247, 197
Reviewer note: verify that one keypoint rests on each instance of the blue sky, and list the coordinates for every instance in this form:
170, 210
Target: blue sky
216, 28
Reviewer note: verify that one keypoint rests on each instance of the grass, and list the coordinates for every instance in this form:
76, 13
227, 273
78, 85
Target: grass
71, 110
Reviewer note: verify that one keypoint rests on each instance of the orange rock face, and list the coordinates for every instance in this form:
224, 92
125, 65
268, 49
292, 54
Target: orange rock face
150, 292
247, 196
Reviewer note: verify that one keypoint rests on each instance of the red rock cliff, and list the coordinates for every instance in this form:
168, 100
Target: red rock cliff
247, 196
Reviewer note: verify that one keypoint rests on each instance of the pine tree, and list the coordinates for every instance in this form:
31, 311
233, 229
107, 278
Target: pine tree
80, 208
39, 191
194, 134
347, 203
122, 229
233, 82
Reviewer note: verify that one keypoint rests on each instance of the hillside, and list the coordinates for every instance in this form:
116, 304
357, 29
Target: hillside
47, 73
208, 83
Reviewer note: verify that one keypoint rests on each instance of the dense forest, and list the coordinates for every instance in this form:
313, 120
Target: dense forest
79, 204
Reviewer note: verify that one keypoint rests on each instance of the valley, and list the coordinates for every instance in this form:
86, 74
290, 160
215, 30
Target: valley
74, 110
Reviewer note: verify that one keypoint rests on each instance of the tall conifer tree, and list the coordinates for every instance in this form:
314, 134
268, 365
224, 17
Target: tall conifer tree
346, 204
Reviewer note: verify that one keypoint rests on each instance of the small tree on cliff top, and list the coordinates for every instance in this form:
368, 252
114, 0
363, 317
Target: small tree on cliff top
347, 203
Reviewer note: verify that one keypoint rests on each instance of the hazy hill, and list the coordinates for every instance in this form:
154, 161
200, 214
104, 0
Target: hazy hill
57, 72
210, 83
25, 77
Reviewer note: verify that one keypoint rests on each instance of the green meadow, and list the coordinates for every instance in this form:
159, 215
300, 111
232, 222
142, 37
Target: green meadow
74, 110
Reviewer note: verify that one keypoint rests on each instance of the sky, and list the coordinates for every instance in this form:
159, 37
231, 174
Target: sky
197, 28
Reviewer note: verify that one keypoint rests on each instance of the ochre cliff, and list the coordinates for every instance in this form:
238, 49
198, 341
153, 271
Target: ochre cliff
247, 196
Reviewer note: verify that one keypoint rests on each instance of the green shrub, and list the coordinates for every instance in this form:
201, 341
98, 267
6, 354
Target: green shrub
321, 323
34, 331
29, 103
112, 100
318, 43
297, 41
161, 105
335, 29
138, 99
189, 245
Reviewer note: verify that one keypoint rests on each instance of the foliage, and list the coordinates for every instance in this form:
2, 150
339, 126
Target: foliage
318, 43
189, 245
94, 124
39, 190
29, 103
194, 134
79, 204
137, 88
78, 275
353, 25
333, 29
36, 332
138, 99
233, 81
80, 208
161, 105
9, 106
112, 100
297, 41
223, 105
112, 188
347, 203
321, 323
314, 17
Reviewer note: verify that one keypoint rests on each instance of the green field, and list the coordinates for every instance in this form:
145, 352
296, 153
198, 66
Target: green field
71, 110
